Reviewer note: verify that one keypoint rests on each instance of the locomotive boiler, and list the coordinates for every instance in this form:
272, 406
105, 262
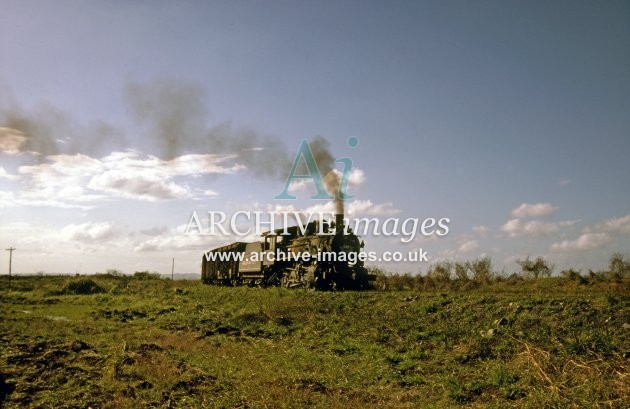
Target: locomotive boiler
308, 257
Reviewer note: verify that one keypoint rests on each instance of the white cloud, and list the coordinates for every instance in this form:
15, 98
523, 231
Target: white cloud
11, 140
207, 192
38, 239
10, 199
58, 183
482, 231
5, 175
357, 208
587, 241
102, 236
267, 207
468, 246
91, 232
25, 235
198, 164
368, 208
82, 181
139, 185
353, 209
97, 246
533, 210
45, 180
356, 179
620, 225
185, 165
517, 228
464, 246
175, 240
129, 175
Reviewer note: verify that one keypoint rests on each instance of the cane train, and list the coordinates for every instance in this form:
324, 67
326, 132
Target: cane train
308, 257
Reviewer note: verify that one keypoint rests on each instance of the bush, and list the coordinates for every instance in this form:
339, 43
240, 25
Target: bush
574, 275
399, 282
145, 275
441, 272
82, 286
619, 266
461, 271
535, 269
481, 270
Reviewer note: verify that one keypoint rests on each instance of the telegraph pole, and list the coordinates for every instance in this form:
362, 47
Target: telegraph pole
173, 270
10, 250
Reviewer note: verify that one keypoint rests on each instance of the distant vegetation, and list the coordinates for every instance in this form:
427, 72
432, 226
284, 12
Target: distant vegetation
466, 275
145, 275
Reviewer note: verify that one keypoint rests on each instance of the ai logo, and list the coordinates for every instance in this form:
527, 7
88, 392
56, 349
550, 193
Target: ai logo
314, 174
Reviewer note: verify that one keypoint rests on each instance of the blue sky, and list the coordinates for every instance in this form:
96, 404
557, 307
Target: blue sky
509, 118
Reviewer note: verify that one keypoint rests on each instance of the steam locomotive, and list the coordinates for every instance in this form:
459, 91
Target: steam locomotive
303, 258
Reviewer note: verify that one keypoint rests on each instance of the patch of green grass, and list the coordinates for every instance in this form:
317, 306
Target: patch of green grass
145, 341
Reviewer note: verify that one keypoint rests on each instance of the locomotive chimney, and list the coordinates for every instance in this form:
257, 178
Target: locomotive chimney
339, 223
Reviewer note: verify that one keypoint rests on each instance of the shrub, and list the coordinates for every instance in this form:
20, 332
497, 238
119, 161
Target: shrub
574, 275
82, 286
535, 269
461, 271
481, 270
440, 272
145, 275
619, 266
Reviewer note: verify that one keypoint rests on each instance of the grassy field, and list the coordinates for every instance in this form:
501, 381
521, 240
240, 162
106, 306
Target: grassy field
146, 342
